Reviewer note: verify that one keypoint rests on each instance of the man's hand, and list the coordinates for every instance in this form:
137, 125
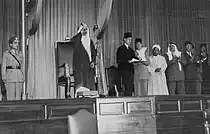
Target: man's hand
92, 65
133, 60
130, 61
157, 69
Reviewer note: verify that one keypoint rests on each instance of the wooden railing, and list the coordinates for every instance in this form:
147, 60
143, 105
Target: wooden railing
129, 115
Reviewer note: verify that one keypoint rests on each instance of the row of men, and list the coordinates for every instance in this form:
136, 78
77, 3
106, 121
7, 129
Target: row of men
149, 72
173, 73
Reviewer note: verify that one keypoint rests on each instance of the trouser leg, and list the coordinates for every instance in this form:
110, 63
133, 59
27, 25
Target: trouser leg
198, 87
172, 87
127, 79
10, 87
180, 87
18, 90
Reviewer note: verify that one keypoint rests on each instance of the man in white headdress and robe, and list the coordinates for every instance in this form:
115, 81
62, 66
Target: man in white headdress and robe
157, 84
175, 71
84, 57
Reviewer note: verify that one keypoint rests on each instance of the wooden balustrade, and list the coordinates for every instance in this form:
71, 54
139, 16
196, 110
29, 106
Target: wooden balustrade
129, 115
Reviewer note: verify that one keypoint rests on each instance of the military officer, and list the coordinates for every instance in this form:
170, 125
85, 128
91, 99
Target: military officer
13, 70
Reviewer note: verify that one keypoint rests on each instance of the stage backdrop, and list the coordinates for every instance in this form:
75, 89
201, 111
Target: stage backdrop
10, 24
60, 18
155, 21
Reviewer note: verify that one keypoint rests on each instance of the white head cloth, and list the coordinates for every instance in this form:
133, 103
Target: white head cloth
86, 40
156, 46
176, 53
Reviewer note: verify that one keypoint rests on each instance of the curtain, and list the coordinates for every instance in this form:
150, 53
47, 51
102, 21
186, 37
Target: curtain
103, 15
156, 22
58, 20
10, 22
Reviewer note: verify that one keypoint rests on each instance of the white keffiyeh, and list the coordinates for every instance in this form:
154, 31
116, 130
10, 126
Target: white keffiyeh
86, 40
176, 53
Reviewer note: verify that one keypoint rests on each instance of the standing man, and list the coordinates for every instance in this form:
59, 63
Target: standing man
157, 83
192, 82
84, 58
175, 72
125, 59
13, 70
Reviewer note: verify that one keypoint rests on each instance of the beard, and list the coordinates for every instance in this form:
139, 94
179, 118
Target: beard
84, 33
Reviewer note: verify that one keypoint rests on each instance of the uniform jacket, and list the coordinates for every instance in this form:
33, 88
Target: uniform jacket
12, 75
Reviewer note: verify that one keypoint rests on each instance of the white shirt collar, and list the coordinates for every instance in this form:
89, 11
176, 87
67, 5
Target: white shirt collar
126, 45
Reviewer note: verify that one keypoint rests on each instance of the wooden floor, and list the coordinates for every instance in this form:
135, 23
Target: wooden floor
127, 115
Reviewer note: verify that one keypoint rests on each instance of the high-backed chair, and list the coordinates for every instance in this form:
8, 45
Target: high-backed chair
113, 81
65, 76
82, 122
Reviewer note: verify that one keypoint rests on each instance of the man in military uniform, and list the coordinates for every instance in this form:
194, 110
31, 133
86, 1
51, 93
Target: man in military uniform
13, 70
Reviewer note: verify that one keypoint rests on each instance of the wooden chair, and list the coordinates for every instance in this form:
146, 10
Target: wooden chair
113, 81
64, 74
82, 122
66, 80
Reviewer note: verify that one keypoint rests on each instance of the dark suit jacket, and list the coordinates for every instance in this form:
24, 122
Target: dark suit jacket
123, 56
172, 71
190, 68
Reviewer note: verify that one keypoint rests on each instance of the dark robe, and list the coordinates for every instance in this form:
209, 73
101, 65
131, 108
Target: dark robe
83, 73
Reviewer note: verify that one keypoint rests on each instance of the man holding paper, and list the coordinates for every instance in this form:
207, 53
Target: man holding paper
125, 59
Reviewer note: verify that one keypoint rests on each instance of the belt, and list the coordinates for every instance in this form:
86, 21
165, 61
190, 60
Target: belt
13, 67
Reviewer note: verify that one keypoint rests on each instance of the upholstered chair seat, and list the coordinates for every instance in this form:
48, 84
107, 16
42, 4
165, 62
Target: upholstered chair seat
82, 122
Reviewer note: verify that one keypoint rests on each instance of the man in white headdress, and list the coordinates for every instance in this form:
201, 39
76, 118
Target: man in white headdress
157, 83
175, 72
84, 57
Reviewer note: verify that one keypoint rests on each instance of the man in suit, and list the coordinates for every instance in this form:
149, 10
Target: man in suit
174, 71
125, 59
192, 80
13, 70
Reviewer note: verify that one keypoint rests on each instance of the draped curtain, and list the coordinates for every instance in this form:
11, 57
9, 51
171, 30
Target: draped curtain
59, 18
10, 24
103, 16
157, 22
